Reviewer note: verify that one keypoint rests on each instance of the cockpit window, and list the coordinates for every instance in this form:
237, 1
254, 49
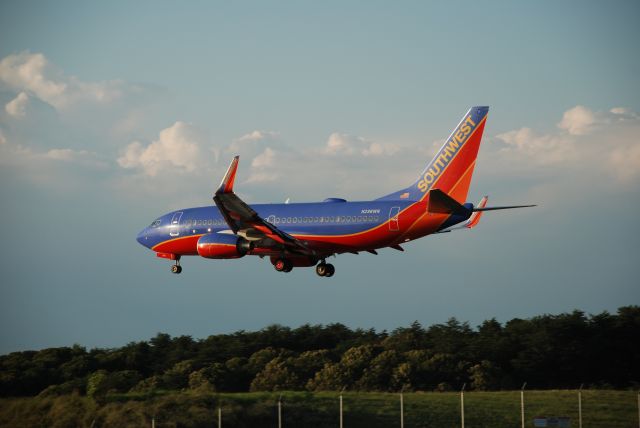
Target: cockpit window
156, 223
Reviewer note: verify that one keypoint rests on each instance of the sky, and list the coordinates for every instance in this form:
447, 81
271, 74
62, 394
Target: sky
113, 113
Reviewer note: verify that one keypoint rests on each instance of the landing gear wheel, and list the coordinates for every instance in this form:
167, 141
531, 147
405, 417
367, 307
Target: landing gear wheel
283, 265
330, 270
325, 269
176, 269
321, 269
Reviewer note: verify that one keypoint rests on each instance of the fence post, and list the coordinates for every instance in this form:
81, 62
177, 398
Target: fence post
219, 417
522, 403
280, 411
580, 406
341, 410
402, 408
462, 404
153, 422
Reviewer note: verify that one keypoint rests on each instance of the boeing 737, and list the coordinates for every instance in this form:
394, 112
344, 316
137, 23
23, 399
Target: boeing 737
307, 234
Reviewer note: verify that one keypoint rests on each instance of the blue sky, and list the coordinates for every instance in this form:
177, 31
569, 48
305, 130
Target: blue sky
112, 114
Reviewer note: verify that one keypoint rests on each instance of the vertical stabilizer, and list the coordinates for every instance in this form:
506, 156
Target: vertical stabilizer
452, 167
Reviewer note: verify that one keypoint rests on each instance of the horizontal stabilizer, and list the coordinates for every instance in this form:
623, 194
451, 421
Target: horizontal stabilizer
478, 209
441, 203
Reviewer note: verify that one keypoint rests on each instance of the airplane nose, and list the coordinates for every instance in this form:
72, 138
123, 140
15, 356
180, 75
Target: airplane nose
142, 237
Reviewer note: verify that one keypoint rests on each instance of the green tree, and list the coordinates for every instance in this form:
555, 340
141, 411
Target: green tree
275, 376
484, 376
97, 384
177, 377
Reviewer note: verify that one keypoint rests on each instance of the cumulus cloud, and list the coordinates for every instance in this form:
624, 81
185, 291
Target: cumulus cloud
578, 120
33, 74
602, 142
176, 147
625, 161
254, 143
80, 157
345, 144
18, 106
545, 149
265, 159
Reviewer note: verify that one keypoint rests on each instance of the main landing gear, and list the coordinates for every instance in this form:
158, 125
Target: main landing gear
176, 268
283, 265
325, 269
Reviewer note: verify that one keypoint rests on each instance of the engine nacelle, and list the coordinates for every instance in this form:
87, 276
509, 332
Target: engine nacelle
223, 246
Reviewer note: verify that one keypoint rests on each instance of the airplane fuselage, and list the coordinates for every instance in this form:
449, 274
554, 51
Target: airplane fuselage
333, 226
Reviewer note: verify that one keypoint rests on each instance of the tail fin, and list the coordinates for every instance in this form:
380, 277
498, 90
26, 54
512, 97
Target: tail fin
452, 167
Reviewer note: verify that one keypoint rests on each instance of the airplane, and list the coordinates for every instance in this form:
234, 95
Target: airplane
307, 234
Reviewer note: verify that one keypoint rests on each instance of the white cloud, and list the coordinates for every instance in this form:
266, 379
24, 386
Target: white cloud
17, 107
176, 147
578, 120
545, 149
254, 143
625, 162
256, 136
601, 143
345, 144
265, 159
33, 74
3, 139
81, 157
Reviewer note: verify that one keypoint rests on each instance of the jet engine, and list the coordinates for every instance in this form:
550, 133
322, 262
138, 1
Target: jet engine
223, 246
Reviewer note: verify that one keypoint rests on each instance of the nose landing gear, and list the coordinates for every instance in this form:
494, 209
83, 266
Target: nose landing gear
325, 269
176, 268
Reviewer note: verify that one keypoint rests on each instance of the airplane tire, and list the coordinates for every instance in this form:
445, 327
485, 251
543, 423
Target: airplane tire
281, 265
176, 269
321, 269
330, 270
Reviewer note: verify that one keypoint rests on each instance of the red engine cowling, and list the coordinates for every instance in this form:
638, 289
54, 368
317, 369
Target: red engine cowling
223, 246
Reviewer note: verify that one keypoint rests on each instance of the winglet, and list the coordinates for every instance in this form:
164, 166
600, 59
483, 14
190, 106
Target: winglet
475, 217
226, 186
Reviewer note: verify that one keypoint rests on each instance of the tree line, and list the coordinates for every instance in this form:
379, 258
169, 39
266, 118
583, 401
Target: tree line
547, 351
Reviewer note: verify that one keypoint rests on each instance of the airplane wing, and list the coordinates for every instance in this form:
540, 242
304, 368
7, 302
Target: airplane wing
244, 221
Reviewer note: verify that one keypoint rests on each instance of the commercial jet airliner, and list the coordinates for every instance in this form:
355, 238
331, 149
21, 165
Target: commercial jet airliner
306, 234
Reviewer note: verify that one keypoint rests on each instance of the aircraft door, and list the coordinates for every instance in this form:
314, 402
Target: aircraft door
174, 227
394, 212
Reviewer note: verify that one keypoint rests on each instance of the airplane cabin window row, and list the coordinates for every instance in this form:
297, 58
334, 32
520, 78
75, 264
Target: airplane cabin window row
338, 219
289, 220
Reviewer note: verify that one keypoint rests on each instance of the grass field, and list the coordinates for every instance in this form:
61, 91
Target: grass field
601, 408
